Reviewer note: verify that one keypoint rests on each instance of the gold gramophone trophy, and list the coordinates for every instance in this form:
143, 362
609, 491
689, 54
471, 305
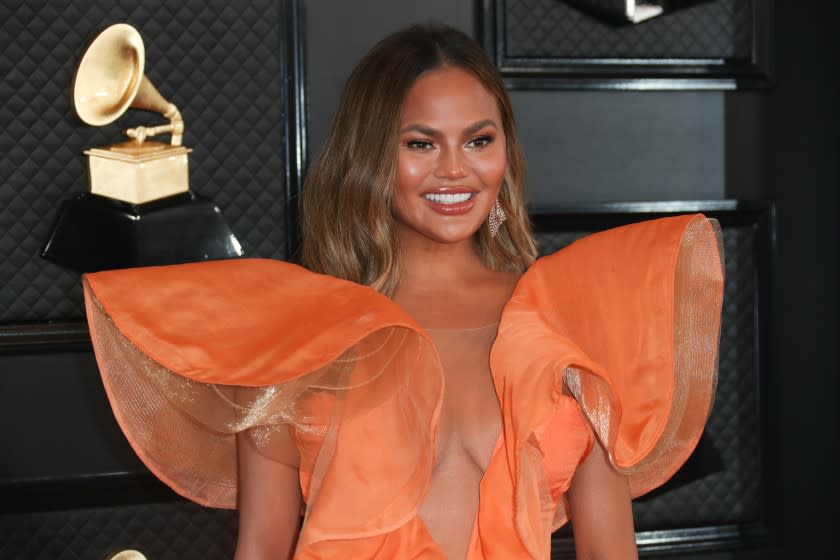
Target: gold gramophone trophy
140, 209
108, 81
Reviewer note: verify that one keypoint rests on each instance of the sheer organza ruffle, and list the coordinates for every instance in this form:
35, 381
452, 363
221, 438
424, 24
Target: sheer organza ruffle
362, 398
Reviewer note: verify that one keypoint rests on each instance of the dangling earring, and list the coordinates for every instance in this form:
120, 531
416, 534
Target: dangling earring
496, 218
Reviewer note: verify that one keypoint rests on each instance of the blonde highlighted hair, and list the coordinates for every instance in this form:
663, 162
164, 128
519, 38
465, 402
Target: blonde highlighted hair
348, 225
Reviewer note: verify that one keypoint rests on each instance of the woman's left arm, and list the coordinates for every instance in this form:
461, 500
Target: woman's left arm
599, 504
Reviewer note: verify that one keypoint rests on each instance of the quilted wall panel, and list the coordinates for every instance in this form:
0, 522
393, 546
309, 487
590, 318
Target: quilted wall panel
552, 28
164, 531
221, 63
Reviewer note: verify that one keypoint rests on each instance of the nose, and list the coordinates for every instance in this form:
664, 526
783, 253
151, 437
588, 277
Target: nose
450, 164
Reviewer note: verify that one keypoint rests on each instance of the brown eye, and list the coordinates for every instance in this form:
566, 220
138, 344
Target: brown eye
481, 141
419, 144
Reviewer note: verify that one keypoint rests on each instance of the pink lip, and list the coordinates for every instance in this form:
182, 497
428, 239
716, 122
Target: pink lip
450, 190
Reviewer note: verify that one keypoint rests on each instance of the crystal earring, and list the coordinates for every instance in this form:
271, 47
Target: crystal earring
497, 216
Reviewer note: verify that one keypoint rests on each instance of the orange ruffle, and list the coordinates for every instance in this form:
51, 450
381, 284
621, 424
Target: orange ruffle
193, 354
628, 320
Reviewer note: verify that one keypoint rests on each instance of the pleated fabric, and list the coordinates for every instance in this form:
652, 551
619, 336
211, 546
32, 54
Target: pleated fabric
614, 336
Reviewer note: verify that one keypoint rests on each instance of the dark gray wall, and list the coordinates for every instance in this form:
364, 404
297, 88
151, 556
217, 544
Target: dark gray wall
580, 147
339, 33
62, 421
588, 147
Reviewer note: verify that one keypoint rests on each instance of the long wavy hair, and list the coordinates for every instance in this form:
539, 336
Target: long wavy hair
348, 225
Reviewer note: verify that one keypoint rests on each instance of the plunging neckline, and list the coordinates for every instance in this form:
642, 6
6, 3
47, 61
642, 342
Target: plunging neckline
474, 531
498, 440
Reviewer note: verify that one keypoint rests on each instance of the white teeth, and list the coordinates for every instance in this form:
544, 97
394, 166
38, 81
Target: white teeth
448, 198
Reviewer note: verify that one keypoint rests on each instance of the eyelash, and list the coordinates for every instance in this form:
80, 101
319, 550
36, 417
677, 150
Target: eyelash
419, 144
482, 141
478, 142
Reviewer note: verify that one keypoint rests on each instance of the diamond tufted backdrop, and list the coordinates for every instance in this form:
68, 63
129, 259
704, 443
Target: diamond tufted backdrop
233, 69
163, 531
546, 28
223, 64
695, 44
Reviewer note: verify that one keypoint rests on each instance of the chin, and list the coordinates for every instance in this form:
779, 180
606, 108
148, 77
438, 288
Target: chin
446, 230
451, 235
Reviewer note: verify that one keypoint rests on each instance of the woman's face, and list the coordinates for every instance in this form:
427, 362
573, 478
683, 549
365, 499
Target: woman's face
452, 157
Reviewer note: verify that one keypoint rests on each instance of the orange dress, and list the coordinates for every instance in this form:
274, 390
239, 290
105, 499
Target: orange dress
627, 320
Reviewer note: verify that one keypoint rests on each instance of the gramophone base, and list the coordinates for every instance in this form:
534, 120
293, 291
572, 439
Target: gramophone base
94, 233
138, 173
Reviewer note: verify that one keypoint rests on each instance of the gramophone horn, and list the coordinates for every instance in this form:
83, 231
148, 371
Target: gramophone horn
110, 79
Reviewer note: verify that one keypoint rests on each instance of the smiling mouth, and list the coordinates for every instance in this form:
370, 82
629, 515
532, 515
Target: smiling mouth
448, 198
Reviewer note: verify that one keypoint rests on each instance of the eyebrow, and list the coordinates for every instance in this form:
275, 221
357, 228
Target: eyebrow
428, 131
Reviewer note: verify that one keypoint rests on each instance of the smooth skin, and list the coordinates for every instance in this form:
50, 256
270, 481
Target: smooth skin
448, 144
451, 142
269, 498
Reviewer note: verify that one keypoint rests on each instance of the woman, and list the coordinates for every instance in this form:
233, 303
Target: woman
473, 412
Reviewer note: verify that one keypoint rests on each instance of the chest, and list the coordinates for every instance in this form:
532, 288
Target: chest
470, 420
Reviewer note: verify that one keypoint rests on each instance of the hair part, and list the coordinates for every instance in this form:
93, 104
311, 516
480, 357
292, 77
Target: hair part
348, 224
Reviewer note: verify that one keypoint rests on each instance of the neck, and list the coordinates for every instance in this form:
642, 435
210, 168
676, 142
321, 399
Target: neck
427, 263
446, 285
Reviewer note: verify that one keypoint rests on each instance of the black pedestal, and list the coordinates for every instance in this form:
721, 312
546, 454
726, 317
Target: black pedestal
97, 233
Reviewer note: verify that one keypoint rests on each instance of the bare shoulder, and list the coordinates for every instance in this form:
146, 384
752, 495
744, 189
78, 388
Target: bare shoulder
497, 290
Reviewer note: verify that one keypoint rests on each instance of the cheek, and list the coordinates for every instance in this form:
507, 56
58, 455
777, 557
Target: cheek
492, 169
411, 170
